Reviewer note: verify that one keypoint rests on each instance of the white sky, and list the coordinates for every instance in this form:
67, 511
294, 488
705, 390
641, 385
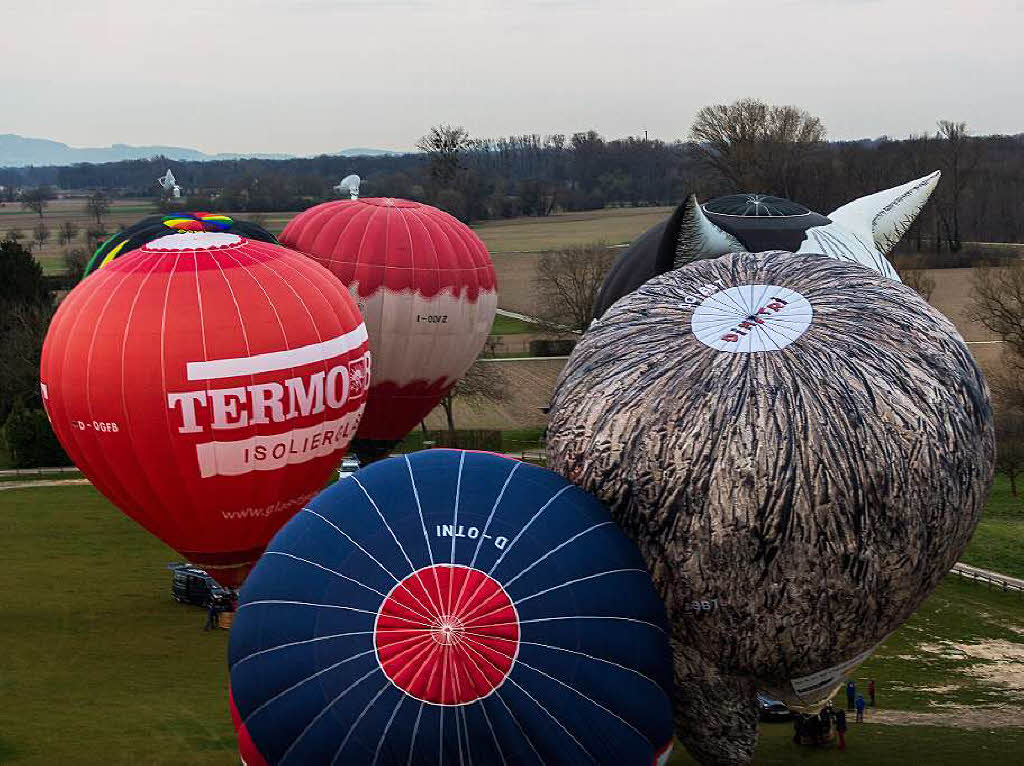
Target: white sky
308, 76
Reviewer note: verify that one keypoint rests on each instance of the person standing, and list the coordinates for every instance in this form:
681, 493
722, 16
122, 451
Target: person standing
871, 691
851, 693
860, 708
212, 615
841, 727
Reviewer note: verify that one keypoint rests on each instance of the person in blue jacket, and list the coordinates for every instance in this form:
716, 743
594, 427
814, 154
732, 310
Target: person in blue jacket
851, 692
860, 709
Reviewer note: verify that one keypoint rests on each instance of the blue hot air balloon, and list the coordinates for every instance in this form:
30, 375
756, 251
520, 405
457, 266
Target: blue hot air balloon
451, 607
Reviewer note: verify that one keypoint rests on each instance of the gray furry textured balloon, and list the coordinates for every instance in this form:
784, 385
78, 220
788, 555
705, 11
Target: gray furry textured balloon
800, 447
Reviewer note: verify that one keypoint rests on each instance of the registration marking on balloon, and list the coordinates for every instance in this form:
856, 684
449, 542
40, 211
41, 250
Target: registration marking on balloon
751, 318
447, 635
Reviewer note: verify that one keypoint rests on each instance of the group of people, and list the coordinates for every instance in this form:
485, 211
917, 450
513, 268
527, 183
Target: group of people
817, 729
855, 701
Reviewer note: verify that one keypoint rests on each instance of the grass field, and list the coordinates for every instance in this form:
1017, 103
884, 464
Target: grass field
998, 542
613, 226
51, 255
875, 745
30, 474
98, 665
511, 326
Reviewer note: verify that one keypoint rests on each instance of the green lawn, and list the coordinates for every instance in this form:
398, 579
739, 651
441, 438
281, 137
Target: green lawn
512, 441
947, 653
998, 542
98, 665
32, 475
873, 745
510, 326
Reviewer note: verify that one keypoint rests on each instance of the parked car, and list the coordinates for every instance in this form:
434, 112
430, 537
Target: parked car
771, 709
349, 466
192, 585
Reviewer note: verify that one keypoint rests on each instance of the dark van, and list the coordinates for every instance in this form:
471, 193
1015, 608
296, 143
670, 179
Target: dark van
191, 585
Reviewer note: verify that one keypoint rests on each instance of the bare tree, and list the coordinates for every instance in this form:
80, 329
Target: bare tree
755, 146
1010, 444
75, 261
444, 145
66, 232
97, 205
37, 199
997, 293
40, 234
482, 381
916, 277
960, 156
998, 302
567, 282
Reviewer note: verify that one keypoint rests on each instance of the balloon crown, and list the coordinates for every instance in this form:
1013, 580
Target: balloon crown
755, 205
197, 221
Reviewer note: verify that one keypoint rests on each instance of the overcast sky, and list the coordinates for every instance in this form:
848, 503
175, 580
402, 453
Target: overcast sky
309, 76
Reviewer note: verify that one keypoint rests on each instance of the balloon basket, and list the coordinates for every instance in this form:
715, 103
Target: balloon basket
224, 620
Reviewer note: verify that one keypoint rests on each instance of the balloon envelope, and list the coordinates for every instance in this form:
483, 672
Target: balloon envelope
800, 447
426, 287
207, 385
451, 606
156, 226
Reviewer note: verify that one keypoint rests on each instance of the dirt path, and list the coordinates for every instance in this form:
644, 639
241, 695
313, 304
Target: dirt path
46, 483
957, 718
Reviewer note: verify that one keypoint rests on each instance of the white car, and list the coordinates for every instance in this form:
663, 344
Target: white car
349, 466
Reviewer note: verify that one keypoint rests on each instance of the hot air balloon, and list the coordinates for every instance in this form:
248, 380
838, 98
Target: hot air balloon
207, 385
863, 231
156, 226
800, 447
451, 607
425, 286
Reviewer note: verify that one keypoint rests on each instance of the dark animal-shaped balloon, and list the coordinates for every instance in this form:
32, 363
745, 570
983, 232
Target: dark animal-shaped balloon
863, 231
799, 444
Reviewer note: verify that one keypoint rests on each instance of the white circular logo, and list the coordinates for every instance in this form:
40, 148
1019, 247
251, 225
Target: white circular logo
751, 318
194, 240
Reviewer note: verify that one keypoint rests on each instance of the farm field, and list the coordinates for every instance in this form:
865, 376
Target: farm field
106, 668
614, 226
50, 256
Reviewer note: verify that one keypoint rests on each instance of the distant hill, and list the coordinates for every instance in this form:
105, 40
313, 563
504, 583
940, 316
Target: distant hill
362, 151
19, 151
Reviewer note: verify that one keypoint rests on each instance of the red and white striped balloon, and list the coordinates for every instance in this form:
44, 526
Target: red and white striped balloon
426, 288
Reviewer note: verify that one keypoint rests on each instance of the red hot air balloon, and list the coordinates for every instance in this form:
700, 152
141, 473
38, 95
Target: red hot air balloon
207, 384
427, 290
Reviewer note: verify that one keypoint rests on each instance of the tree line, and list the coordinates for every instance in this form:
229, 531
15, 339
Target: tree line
747, 146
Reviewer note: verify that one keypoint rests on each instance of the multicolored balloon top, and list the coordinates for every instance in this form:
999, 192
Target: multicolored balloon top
156, 226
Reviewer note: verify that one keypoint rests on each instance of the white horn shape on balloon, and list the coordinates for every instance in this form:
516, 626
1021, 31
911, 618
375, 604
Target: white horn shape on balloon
699, 238
887, 214
867, 229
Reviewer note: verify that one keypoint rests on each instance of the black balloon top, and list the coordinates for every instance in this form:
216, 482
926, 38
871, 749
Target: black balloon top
757, 222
